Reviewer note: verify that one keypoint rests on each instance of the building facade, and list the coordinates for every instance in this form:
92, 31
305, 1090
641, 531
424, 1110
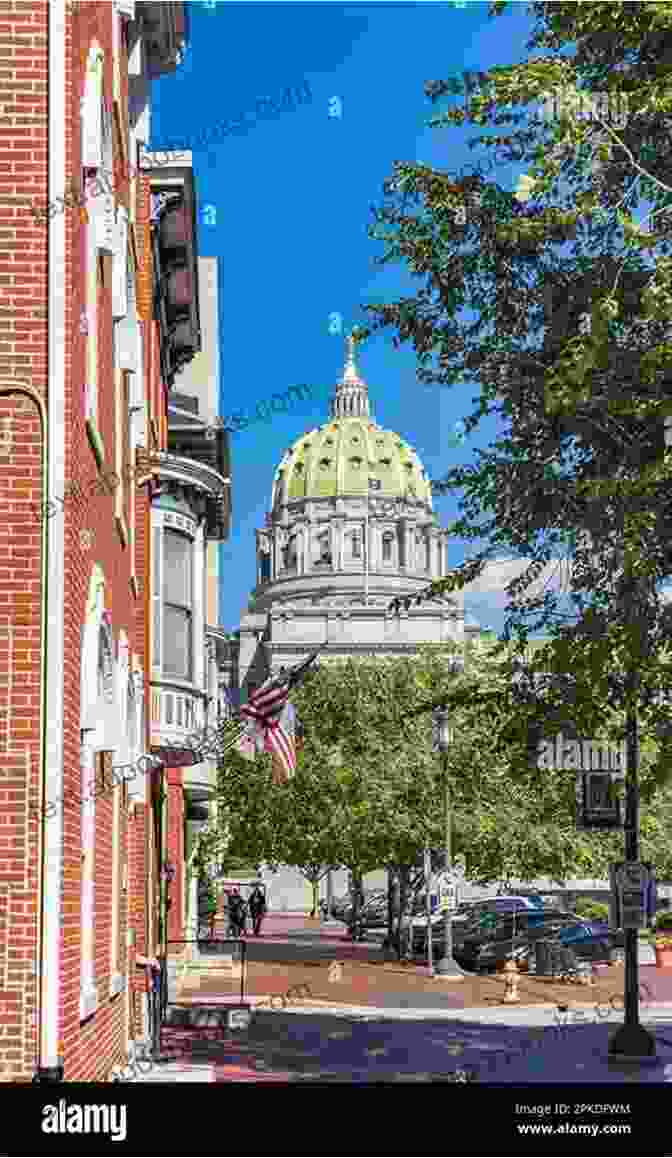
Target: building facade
99, 314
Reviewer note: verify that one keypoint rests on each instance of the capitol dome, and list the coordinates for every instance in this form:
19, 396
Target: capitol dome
350, 455
350, 529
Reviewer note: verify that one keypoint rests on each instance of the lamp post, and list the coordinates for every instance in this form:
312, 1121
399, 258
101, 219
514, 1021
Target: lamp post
632, 1039
446, 968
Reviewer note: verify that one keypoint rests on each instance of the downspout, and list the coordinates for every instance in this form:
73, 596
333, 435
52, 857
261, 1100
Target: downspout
50, 1065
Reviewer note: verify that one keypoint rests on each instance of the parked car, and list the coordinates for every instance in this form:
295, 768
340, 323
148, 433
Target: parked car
339, 905
341, 908
472, 917
516, 936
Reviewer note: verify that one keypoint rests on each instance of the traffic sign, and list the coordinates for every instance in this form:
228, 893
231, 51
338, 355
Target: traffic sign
447, 895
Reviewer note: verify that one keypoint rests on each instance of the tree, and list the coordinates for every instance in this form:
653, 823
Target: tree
557, 303
368, 789
568, 345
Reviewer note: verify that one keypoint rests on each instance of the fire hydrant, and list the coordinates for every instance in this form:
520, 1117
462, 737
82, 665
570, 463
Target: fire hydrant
511, 982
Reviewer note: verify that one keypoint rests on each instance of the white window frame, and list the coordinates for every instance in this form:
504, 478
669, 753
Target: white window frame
124, 756
189, 611
120, 265
188, 530
91, 109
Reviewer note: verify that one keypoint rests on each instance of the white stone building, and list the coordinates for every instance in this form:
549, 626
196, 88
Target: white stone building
351, 526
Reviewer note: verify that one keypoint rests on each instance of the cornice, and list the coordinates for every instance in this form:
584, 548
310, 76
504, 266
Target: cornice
189, 472
302, 649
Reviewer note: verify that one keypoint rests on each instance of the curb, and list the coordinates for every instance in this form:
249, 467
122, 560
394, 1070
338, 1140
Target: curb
475, 1012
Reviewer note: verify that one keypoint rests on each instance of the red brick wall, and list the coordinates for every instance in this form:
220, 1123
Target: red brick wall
23, 354
92, 1048
175, 854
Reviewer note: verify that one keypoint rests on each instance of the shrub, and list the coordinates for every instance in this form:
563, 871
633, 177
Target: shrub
664, 920
592, 910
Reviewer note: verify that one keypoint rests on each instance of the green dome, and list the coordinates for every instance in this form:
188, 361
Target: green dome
339, 458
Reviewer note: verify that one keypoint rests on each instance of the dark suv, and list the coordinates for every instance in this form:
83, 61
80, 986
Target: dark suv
516, 936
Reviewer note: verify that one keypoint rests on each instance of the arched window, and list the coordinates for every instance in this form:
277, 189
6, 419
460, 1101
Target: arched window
387, 547
324, 548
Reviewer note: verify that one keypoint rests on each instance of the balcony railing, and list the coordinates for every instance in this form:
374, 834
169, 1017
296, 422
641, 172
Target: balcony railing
176, 714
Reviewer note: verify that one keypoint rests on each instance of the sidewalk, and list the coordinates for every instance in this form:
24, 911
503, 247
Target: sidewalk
383, 1021
528, 1047
294, 952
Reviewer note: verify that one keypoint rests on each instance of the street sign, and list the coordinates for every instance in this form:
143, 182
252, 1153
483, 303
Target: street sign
447, 895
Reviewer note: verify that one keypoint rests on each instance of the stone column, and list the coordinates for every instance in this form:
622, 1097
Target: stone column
277, 551
442, 553
302, 548
435, 553
373, 545
410, 547
337, 545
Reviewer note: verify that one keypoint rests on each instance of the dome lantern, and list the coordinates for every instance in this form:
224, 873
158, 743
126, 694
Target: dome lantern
352, 396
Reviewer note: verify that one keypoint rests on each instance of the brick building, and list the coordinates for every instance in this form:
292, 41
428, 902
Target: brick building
89, 348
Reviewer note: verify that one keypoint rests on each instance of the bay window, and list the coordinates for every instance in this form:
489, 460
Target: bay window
173, 608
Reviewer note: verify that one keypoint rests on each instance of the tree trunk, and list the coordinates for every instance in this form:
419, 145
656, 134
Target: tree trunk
357, 895
393, 909
316, 889
404, 877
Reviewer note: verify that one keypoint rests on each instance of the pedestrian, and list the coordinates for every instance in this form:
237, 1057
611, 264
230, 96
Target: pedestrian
228, 913
237, 913
257, 907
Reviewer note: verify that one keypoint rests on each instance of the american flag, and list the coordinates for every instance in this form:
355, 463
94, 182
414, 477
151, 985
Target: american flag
269, 709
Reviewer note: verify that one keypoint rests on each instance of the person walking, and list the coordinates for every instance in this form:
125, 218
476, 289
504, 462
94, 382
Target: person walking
257, 907
237, 913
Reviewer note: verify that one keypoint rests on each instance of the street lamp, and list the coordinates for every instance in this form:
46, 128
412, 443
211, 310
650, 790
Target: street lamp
632, 1040
446, 968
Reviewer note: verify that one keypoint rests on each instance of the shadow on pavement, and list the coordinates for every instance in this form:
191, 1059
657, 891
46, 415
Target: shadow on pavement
321, 1047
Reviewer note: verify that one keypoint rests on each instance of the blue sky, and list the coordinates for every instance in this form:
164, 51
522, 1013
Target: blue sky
292, 195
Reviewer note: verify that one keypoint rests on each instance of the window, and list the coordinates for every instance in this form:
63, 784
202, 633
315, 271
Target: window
125, 472
156, 599
356, 545
177, 598
105, 666
387, 547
